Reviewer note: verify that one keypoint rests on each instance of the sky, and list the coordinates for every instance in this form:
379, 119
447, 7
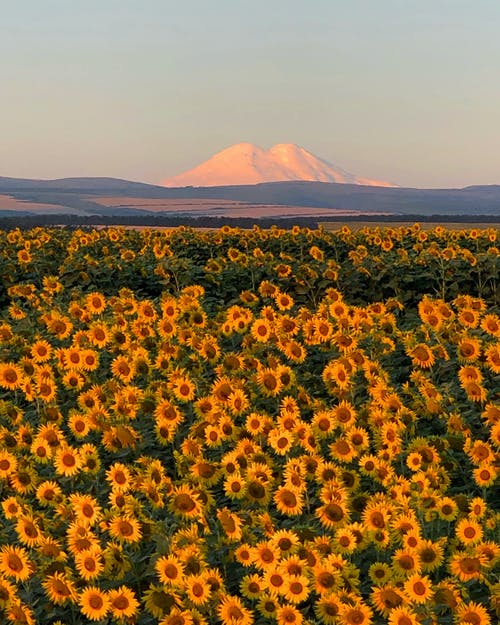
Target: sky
406, 91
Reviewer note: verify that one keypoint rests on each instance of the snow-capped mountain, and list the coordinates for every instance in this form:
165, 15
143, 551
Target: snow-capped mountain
245, 163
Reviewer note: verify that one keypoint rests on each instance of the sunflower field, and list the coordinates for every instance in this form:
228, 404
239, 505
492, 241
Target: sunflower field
260, 427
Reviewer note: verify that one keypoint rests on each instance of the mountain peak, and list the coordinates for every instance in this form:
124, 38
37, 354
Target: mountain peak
246, 163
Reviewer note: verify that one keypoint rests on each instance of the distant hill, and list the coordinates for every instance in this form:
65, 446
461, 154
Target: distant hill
245, 163
110, 196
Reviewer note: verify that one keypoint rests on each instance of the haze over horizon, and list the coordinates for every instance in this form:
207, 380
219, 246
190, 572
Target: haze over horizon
144, 91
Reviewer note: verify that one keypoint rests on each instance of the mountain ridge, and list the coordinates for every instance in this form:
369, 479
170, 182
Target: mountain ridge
246, 163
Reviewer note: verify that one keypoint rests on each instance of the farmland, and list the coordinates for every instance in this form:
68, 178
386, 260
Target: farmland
233, 426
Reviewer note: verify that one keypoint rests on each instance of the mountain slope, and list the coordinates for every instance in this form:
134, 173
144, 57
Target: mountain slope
245, 163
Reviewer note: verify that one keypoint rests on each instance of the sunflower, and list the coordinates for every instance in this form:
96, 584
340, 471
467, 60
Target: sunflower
269, 382
179, 617
95, 303
475, 391
119, 477
285, 540
60, 325
405, 562
492, 355
185, 502
98, 334
234, 486
73, 380
41, 350
468, 349
280, 441
485, 475
264, 555
94, 603
386, 598
7, 593
123, 369
422, 356
28, 531
123, 603
8, 464
252, 586
11, 376
86, 508
469, 317
231, 523
418, 588
479, 451
46, 389
89, 563
326, 579
289, 615
403, 616
80, 537
472, 613
67, 461
197, 589
294, 351
12, 508
342, 450
467, 566
431, 554
79, 424
261, 330
357, 614
126, 529
447, 509
296, 589
14, 562
469, 531
90, 360
336, 374
231, 611
159, 600
17, 612
345, 540
327, 608
183, 388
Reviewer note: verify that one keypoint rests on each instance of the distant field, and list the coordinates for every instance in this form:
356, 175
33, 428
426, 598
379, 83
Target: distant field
357, 225
220, 208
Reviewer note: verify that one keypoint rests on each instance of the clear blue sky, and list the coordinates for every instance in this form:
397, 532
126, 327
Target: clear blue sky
407, 91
